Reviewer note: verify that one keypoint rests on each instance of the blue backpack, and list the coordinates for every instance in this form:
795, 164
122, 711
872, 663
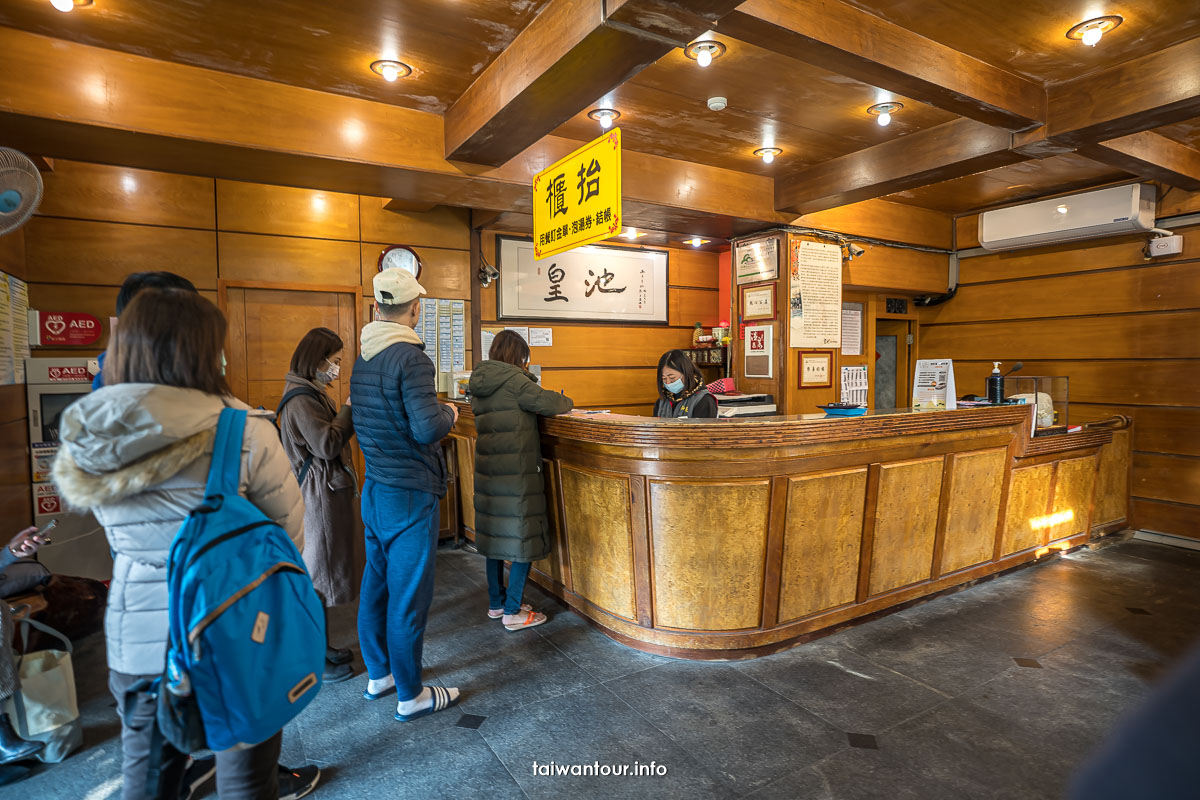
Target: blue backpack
247, 631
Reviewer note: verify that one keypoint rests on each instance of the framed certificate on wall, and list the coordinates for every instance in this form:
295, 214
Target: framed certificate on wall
758, 303
816, 369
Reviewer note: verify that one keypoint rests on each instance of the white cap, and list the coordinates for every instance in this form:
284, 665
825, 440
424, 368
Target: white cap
395, 286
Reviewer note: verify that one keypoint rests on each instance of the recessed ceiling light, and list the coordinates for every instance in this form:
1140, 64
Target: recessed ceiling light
696, 241
70, 5
632, 233
1063, 209
704, 52
767, 154
1090, 31
391, 70
605, 116
883, 112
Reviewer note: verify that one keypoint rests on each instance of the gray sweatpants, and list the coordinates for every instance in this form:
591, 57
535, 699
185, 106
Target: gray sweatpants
250, 774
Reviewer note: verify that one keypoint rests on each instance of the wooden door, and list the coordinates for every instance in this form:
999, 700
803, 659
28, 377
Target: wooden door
266, 324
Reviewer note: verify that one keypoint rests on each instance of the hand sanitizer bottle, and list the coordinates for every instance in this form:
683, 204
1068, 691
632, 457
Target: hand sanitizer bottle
995, 385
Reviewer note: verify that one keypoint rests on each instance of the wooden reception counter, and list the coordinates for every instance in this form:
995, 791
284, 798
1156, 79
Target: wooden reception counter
717, 539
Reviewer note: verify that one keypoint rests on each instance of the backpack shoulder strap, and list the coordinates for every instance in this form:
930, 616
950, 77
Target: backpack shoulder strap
291, 395
287, 398
225, 472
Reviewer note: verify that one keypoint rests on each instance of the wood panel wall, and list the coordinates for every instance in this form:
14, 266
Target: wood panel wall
16, 504
99, 223
1124, 329
615, 366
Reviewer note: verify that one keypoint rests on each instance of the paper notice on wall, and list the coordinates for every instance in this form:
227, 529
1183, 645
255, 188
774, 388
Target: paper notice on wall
486, 335
7, 375
933, 385
458, 315
541, 337
854, 384
815, 291
445, 333
852, 314
427, 329
521, 331
18, 296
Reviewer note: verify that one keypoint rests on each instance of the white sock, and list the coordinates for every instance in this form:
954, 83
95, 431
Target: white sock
380, 685
421, 702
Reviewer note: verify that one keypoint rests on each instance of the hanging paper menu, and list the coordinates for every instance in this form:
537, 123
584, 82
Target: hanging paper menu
816, 295
18, 295
458, 314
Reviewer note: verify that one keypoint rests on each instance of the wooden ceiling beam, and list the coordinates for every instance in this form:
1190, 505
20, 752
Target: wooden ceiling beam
1152, 156
850, 42
1157, 89
139, 112
567, 58
950, 150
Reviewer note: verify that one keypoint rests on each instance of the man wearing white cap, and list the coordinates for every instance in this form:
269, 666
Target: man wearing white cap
400, 425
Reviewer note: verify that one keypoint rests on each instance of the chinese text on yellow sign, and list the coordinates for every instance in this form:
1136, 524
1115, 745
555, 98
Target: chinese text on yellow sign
577, 200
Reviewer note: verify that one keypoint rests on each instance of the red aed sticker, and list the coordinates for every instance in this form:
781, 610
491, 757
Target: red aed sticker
47, 500
69, 375
68, 329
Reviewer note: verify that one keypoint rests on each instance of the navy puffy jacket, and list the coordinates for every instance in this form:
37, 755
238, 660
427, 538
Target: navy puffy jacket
398, 419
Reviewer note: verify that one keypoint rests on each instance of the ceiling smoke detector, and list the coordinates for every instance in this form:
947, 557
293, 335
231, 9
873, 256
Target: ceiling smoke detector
717, 103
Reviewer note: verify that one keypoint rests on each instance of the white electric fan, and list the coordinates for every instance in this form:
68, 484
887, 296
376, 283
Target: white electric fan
20, 189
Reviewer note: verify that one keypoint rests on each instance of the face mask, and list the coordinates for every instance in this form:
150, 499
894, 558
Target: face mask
675, 386
329, 375
222, 362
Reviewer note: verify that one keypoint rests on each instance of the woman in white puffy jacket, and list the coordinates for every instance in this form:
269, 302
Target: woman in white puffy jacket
136, 453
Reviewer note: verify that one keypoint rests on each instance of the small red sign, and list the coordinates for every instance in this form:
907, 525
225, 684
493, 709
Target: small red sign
69, 375
71, 329
758, 341
47, 499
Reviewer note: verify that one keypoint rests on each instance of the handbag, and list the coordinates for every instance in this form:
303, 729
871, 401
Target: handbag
22, 577
45, 708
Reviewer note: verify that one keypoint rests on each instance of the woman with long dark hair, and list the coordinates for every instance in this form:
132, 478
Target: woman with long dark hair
510, 496
680, 390
316, 435
136, 453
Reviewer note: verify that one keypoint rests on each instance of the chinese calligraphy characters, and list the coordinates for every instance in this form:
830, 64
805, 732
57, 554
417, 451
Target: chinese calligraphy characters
601, 283
588, 186
556, 275
556, 195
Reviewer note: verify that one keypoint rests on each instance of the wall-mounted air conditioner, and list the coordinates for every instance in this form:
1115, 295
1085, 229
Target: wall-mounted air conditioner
1104, 212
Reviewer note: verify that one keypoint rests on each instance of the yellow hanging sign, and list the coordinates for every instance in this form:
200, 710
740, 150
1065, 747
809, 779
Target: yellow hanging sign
577, 200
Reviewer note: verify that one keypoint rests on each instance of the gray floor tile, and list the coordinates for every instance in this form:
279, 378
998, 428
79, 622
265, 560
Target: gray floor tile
726, 720
857, 774
806, 784
972, 752
497, 669
453, 763
842, 687
596, 653
942, 652
589, 727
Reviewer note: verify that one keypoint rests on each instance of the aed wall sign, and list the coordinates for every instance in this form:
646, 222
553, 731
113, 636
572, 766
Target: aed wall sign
577, 200
60, 328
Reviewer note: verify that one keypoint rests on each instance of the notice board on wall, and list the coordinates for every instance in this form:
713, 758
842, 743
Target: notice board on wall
815, 292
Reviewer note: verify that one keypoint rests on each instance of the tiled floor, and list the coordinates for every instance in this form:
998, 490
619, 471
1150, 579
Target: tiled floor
995, 692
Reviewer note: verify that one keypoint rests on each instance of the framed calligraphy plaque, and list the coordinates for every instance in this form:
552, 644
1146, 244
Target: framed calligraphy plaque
595, 283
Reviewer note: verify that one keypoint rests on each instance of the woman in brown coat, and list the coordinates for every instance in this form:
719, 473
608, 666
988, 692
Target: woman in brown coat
316, 435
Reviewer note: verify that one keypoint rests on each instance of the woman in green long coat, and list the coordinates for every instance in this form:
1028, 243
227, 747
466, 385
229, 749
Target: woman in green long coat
510, 496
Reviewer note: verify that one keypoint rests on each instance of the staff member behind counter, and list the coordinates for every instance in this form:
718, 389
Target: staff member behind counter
679, 389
